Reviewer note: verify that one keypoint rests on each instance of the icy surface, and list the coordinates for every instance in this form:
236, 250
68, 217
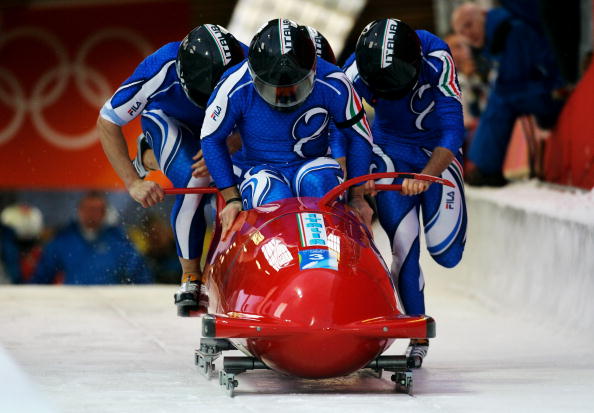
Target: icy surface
123, 350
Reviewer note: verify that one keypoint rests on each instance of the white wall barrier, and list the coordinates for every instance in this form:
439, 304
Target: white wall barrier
530, 248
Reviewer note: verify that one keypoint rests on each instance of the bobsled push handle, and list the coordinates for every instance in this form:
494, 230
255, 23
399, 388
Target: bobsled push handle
199, 190
339, 189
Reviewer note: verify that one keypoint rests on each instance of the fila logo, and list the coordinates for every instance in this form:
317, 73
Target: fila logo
450, 198
215, 113
134, 108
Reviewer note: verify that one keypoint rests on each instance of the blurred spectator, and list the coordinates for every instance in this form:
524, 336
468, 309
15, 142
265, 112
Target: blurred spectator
89, 252
27, 223
474, 90
9, 256
561, 22
526, 83
154, 239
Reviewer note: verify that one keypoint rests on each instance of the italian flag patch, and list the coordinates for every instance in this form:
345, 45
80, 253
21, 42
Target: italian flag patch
448, 83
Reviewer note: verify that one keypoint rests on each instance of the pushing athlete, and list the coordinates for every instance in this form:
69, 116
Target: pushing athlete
282, 99
169, 91
409, 78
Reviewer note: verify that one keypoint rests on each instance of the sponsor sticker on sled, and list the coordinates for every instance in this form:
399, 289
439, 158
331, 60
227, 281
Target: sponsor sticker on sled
317, 258
312, 230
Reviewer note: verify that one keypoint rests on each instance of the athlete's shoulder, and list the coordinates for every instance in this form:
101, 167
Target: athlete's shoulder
238, 70
245, 48
436, 53
439, 68
234, 78
351, 69
330, 77
162, 55
168, 51
430, 42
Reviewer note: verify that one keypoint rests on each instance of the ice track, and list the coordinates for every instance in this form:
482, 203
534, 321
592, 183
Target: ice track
121, 349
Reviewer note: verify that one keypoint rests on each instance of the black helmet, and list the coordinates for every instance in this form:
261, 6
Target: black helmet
282, 62
323, 48
203, 56
388, 55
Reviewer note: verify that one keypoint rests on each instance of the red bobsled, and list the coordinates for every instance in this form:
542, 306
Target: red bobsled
300, 288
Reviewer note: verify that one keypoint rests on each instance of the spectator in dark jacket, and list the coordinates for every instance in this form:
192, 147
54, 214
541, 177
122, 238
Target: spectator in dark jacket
86, 252
526, 82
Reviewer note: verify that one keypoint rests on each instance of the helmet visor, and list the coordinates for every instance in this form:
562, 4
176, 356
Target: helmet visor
286, 96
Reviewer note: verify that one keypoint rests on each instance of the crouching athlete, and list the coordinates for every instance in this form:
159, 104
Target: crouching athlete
282, 99
410, 80
169, 90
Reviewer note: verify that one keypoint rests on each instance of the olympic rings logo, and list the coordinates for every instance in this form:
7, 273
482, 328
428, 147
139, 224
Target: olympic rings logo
50, 87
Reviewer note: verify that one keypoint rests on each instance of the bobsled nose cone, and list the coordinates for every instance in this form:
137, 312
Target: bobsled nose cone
327, 302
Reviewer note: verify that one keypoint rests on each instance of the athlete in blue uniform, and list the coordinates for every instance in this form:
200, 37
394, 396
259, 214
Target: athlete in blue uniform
410, 80
282, 98
169, 90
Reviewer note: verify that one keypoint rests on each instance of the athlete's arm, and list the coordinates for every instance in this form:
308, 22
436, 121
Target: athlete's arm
126, 104
220, 119
349, 117
449, 110
199, 168
440, 159
147, 193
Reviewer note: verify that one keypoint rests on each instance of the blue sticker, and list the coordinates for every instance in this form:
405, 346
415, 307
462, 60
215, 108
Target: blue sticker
317, 258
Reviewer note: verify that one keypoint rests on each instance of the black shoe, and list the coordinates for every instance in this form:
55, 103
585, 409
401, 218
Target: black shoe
191, 299
477, 178
416, 352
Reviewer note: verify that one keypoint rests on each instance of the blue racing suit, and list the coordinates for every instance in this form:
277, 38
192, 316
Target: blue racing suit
171, 124
406, 131
284, 152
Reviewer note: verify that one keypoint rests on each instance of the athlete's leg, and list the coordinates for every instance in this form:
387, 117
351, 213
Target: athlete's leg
263, 184
445, 218
316, 177
174, 145
399, 216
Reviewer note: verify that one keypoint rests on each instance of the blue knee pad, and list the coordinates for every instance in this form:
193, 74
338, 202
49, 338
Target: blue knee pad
315, 178
263, 184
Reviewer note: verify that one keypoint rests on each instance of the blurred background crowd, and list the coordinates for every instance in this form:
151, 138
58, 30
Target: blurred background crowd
523, 67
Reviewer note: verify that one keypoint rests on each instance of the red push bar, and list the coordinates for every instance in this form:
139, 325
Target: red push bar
339, 189
199, 190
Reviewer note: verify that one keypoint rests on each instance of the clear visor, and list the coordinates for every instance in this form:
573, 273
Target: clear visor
284, 97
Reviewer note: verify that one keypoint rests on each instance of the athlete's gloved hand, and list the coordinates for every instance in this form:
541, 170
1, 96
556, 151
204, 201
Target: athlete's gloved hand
199, 168
414, 187
360, 205
146, 193
228, 216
